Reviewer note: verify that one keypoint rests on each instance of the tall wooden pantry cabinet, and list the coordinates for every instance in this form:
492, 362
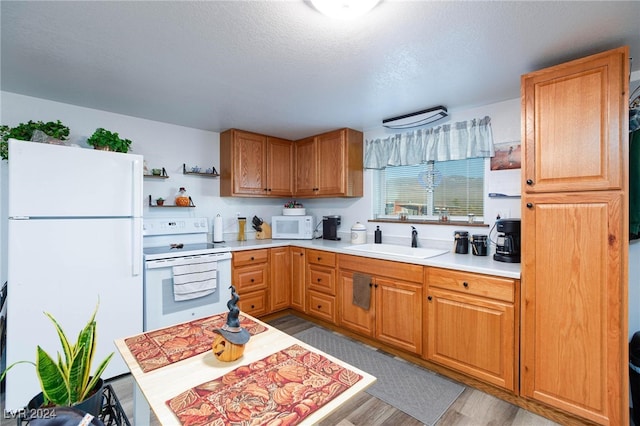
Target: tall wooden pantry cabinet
575, 237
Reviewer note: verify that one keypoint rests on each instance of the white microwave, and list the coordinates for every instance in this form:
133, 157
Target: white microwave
292, 227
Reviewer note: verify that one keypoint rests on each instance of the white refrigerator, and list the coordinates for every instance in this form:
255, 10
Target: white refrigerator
74, 239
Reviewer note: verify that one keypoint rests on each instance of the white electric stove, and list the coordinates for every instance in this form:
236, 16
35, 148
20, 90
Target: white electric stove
175, 248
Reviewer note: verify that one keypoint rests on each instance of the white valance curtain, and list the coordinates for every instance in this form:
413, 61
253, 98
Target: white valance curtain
457, 141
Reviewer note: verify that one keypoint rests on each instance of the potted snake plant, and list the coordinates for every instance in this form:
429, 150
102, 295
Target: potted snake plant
69, 382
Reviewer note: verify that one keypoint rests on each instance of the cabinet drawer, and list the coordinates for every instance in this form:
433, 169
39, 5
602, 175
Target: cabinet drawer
321, 306
476, 284
250, 257
320, 257
322, 279
254, 303
383, 268
250, 278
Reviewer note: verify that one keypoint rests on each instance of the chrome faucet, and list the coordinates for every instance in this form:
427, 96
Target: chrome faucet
414, 237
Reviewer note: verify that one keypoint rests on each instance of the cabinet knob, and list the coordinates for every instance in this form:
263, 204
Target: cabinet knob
252, 258
319, 259
319, 280
253, 306
465, 284
529, 182
370, 284
252, 280
429, 298
301, 254
529, 205
319, 306
375, 285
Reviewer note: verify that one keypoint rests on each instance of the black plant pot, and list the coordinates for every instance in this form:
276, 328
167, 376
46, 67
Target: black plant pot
91, 405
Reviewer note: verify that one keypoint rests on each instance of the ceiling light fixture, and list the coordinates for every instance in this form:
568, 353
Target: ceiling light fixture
416, 119
344, 9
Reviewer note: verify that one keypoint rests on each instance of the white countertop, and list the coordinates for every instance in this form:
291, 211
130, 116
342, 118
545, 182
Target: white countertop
449, 260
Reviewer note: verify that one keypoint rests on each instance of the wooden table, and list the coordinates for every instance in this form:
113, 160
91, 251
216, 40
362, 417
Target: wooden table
159, 386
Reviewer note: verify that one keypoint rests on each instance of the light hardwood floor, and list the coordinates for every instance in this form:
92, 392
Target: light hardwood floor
472, 407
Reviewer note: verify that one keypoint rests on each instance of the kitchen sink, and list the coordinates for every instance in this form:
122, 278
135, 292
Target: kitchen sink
396, 250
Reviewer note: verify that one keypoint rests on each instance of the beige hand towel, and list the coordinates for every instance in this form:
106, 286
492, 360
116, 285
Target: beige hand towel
362, 290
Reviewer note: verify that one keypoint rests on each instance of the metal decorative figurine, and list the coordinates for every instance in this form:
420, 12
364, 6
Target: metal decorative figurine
229, 345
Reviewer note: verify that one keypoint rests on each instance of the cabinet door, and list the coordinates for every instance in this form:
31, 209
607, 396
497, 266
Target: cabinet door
399, 314
331, 163
572, 127
473, 335
298, 278
249, 164
574, 338
352, 316
306, 168
280, 282
280, 167
249, 174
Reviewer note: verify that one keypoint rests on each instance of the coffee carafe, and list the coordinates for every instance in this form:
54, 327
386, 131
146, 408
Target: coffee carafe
508, 243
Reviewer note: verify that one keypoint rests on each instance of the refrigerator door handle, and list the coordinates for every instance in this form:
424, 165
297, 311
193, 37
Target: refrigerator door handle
137, 188
136, 246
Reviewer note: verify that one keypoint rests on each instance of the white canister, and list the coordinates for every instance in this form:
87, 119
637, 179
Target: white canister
358, 234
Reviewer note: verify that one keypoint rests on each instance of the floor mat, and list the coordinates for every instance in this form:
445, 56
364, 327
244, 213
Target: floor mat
416, 391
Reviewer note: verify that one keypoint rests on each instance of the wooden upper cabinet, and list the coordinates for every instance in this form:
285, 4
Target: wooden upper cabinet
573, 124
255, 165
280, 168
306, 164
330, 165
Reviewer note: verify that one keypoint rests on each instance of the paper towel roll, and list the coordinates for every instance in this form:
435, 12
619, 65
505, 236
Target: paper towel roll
217, 229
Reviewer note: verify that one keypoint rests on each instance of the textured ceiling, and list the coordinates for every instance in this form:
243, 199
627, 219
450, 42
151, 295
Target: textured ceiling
281, 68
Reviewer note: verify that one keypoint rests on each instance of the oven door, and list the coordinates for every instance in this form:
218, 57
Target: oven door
160, 307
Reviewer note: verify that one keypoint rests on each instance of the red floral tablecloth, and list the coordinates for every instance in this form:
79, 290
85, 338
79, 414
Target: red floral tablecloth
162, 347
283, 388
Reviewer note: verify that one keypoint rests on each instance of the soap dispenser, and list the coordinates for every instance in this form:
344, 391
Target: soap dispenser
377, 235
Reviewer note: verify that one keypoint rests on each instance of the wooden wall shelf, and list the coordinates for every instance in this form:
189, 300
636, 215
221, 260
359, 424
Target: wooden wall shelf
162, 175
213, 174
171, 206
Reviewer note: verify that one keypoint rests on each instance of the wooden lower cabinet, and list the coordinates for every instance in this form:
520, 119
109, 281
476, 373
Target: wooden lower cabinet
298, 262
280, 278
250, 276
395, 313
321, 305
321, 284
574, 304
472, 325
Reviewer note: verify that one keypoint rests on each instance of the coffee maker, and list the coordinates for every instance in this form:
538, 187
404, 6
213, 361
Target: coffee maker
508, 244
330, 227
